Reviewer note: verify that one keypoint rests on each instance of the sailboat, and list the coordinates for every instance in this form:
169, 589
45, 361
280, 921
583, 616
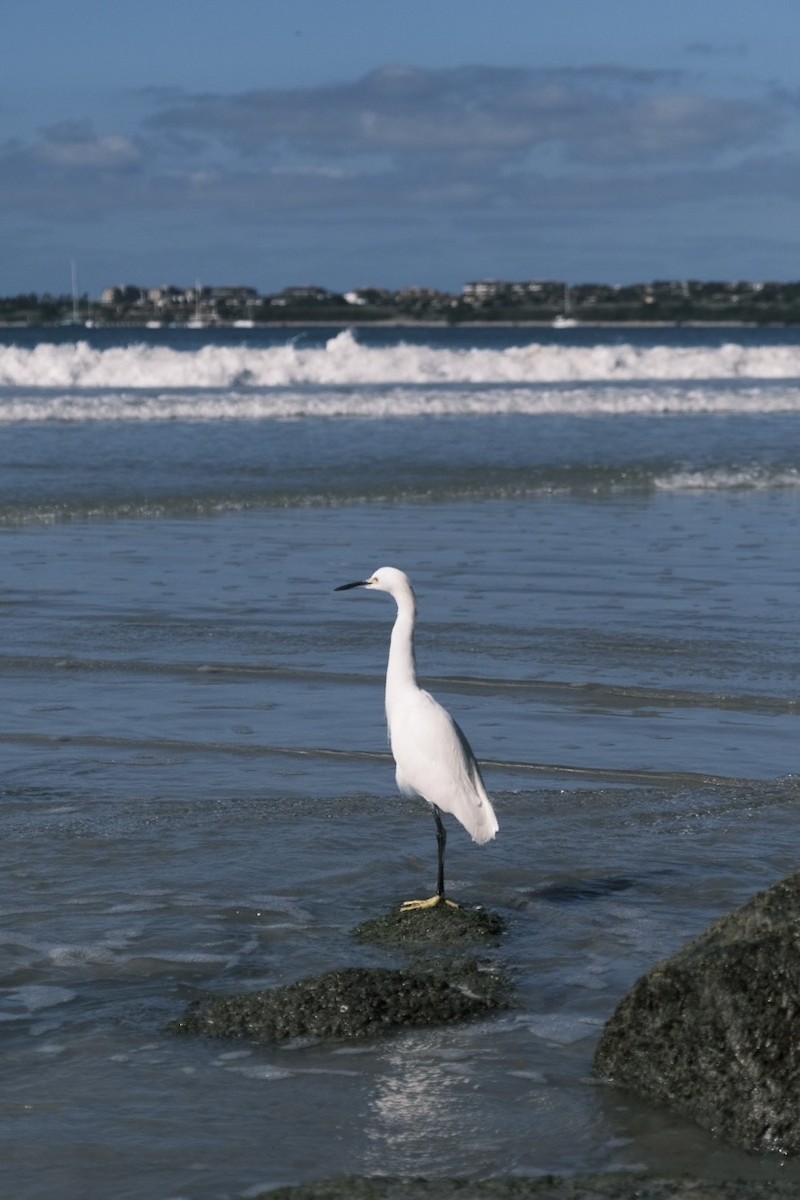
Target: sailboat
76, 316
564, 320
197, 321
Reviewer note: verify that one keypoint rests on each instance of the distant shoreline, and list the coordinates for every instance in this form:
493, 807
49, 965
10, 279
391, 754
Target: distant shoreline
531, 304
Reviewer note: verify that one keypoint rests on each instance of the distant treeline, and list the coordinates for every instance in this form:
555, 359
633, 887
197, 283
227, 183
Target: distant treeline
536, 301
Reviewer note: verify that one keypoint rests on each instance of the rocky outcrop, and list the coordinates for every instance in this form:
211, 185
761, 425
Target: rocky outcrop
439, 928
714, 1032
353, 1003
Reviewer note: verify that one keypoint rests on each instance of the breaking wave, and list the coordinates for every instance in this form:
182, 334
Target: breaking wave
344, 362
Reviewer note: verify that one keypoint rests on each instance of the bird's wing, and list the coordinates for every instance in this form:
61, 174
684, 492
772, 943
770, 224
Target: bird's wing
434, 760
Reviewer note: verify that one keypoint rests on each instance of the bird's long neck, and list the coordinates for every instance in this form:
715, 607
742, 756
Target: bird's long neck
401, 671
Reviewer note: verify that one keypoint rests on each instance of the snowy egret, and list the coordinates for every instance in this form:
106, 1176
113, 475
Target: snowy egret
433, 758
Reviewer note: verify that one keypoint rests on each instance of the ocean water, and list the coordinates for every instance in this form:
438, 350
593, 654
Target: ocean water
602, 527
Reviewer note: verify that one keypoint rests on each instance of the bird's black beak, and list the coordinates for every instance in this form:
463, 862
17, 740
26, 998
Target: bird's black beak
344, 587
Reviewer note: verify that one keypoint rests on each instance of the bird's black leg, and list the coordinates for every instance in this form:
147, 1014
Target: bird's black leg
441, 842
439, 898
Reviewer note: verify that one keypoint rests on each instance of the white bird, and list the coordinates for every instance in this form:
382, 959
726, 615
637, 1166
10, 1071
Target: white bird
433, 758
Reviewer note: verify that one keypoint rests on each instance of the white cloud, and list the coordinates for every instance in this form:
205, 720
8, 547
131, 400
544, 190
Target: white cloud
499, 113
76, 145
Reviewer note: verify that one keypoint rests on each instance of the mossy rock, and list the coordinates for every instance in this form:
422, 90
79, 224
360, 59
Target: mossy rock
354, 1003
441, 926
712, 1032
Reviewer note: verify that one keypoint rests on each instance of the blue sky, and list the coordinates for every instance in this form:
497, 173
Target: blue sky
354, 143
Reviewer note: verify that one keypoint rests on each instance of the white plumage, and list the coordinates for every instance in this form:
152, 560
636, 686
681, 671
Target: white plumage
433, 757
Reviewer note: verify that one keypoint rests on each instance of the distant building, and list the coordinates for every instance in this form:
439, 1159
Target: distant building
485, 290
166, 297
302, 294
234, 295
482, 290
125, 294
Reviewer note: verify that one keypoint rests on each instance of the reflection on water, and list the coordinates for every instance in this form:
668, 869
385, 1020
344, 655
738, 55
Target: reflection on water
427, 1106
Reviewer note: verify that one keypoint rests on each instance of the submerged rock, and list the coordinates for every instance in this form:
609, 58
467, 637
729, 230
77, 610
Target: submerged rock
616, 1186
353, 1003
440, 926
714, 1031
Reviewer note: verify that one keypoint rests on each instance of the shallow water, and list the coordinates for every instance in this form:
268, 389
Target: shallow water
197, 794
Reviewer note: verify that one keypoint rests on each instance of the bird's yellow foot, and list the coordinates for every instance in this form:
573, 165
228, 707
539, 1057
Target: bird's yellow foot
431, 902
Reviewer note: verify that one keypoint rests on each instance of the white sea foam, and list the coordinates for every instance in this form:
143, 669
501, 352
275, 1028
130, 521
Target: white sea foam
728, 479
397, 402
344, 362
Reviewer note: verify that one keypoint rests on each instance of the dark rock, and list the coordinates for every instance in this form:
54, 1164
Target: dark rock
440, 926
617, 1186
714, 1032
353, 1003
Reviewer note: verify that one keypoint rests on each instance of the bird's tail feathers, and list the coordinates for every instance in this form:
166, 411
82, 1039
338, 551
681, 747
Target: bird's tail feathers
484, 824
481, 822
